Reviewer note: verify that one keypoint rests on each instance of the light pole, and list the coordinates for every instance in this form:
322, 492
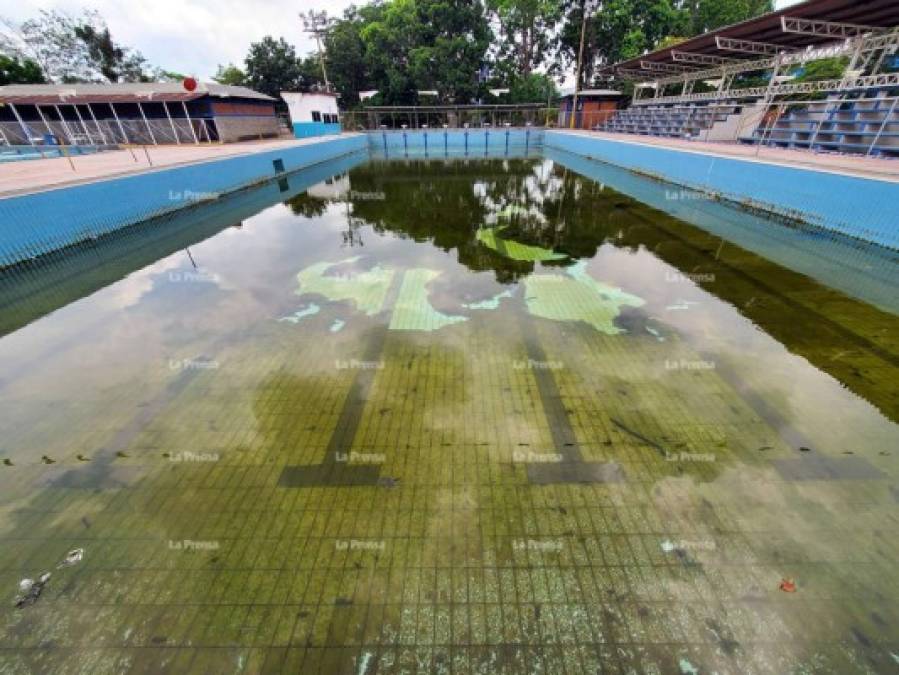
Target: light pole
580, 63
317, 24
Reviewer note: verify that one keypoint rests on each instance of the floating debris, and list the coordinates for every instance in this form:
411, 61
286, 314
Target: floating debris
7, 461
82, 458
30, 590
337, 326
787, 585
489, 303
668, 546
364, 660
47, 460
804, 449
73, 557
681, 305
388, 482
654, 332
687, 668
121, 455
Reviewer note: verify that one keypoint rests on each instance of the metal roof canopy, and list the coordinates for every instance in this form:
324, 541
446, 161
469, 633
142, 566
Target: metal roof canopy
768, 29
132, 92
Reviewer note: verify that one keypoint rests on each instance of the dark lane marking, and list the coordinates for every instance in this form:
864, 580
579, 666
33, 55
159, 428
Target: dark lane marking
572, 468
330, 471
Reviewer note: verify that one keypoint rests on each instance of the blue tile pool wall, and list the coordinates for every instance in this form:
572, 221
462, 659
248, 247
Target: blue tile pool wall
56, 279
35, 224
865, 271
494, 140
310, 129
862, 208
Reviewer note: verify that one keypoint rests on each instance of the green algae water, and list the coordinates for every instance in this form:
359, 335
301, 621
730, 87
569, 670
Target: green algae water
497, 415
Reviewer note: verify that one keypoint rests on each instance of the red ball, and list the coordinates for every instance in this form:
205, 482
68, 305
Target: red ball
189, 83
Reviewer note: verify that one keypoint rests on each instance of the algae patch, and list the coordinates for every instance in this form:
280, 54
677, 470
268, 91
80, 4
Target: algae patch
367, 290
413, 310
576, 296
490, 237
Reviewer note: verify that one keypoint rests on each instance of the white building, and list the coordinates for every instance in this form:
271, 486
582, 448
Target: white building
313, 113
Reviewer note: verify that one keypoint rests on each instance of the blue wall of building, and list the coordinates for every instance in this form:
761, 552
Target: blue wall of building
41, 222
863, 208
309, 129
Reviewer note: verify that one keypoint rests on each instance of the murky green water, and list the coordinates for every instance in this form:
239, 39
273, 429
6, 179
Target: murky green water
468, 416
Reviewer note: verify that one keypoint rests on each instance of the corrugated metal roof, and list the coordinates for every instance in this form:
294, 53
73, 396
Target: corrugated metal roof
49, 94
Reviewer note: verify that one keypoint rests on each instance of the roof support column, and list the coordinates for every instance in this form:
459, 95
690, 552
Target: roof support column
165, 107
90, 138
97, 124
149, 130
22, 124
44, 120
119, 122
189, 123
65, 125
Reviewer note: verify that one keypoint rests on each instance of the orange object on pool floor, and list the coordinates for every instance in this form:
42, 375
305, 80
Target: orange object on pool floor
787, 585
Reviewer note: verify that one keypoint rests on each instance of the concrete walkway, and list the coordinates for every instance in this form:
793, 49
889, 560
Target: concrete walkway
866, 167
35, 175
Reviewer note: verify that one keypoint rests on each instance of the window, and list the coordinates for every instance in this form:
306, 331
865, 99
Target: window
316, 116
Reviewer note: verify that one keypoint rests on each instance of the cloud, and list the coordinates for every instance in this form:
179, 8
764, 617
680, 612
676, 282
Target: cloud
193, 36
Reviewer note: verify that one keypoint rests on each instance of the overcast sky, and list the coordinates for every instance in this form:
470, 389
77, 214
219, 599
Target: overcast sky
193, 36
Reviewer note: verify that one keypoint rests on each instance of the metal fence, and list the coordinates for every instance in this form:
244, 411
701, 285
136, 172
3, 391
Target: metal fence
110, 131
449, 117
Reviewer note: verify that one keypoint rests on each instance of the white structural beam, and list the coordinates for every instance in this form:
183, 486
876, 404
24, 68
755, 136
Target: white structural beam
669, 68
855, 83
747, 46
25, 129
699, 59
628, 74
829, 29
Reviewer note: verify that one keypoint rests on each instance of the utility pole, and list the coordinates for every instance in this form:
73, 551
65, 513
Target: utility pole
317, 24
580, 63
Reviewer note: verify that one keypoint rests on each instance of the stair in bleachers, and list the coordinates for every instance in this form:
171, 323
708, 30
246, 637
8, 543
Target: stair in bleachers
865, 124
680, 121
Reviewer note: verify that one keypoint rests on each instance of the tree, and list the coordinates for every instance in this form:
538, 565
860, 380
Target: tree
526, 27
413, 45
230, 74
114, 61
73, 49
706, 15
272, 67
452, 45
15, 71
533, 88
345, 54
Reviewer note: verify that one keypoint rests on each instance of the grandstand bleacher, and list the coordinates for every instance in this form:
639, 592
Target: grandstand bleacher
855, 111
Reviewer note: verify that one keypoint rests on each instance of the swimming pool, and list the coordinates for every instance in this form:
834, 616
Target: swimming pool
522, 414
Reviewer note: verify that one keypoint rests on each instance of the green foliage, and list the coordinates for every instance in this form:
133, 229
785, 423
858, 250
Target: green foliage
526, 30
400, 47
230, 74
823, 69
15, 71
533, 88
706, 15
272, 67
